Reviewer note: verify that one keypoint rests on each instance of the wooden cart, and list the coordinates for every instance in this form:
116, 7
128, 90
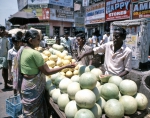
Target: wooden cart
57, 113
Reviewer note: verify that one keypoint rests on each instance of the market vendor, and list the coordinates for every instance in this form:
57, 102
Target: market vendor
83, 48
29, 76
117, 55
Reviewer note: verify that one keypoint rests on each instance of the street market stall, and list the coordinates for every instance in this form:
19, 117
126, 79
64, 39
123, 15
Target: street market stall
83, 90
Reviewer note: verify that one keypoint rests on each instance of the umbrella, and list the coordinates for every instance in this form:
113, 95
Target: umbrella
23, 18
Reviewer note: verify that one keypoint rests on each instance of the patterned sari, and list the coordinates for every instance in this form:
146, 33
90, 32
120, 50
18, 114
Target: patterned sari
31, 91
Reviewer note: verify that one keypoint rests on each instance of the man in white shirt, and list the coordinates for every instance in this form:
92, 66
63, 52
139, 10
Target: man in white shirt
117, 56
94, 40
43, 43
66, 42
45, 40
74, 45
106, 38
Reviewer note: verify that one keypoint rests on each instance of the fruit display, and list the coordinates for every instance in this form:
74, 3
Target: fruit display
103, 98
57, 57
89, 94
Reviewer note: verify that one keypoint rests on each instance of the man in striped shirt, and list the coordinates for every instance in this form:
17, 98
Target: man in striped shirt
83, 48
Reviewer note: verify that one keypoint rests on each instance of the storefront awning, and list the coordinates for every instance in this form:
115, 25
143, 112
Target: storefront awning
91, 26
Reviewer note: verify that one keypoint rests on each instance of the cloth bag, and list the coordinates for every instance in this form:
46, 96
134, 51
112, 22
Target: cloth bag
3, 62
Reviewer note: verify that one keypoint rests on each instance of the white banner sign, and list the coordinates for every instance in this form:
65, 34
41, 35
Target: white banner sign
62, 16
31, 2
79, 22
95, 13
66, 3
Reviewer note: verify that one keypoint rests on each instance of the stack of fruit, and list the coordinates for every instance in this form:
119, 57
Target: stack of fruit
57, 57
89, 95
84, 91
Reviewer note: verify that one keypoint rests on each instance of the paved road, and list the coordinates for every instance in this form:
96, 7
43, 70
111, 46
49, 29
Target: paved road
3, 95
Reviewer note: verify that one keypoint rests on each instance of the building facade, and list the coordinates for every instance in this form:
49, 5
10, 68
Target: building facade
55, 17
87, 16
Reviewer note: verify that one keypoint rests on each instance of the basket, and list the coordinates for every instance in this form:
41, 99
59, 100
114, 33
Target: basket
14, 106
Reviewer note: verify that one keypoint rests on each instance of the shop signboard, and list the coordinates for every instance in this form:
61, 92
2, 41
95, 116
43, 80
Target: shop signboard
42, 14
65, 3
141, 10
117, 9
38, 6
61, 15
22, 4
45, 13
94, 21
35, 2
79, 21
95, 13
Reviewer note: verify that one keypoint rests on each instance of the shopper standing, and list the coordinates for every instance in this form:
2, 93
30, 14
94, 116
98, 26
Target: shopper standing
66, 42
94, 40
16, 40
106, 38
4, 45
29, 76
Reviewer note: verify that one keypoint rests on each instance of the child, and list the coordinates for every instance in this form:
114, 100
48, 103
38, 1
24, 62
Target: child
16, 40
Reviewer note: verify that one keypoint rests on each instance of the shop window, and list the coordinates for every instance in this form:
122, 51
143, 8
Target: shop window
67, 29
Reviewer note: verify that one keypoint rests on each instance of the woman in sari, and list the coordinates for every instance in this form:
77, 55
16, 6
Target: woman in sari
29, 76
